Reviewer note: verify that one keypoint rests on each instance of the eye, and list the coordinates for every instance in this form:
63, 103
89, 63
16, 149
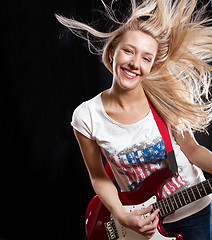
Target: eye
147, 59
128, 51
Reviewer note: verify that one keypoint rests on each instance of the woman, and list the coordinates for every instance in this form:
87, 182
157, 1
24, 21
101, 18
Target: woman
161, 52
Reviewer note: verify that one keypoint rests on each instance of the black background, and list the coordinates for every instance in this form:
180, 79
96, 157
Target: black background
46, 73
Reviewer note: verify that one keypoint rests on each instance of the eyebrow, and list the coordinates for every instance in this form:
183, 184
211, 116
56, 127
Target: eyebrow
148, 53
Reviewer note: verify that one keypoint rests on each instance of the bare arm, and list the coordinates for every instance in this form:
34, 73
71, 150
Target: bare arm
102, 184
108, 194
197, 154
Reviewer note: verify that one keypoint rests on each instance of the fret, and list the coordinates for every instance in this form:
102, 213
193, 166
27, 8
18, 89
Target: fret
159, 206
182, 194
175, 202
160, 214
207, 187
196, 193
163, 213
210, 184
203, 187
189, 199
186, 196
164, 205
168, 205
180, 199
194, 198
201, 190
179, 203
163, 208
155, 206
171, 205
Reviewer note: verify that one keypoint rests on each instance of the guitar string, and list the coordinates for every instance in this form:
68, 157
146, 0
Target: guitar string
184, 197
206, 186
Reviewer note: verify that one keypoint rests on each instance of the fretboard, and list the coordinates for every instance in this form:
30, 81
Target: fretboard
182, 198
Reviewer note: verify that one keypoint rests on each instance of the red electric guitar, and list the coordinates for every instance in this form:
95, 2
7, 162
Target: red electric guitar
101, 225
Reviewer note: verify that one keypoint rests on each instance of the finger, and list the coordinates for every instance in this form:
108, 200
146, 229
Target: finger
149, 219
153, 215
149, 233
149, 228
156, 212
155, 222
144, 210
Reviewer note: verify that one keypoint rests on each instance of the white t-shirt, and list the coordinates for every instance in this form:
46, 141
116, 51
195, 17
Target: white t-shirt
135, 151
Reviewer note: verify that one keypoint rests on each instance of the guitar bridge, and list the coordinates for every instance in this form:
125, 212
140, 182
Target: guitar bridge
111, 230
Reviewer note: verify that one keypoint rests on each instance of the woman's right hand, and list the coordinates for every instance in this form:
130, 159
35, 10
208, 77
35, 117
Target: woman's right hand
108, 194
144, 226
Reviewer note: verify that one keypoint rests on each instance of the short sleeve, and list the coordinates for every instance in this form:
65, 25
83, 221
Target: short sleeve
81, 121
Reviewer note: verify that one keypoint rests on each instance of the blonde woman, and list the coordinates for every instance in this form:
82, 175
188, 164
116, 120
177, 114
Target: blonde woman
160, 52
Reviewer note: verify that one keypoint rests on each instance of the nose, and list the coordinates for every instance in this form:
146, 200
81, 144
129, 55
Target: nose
134, 63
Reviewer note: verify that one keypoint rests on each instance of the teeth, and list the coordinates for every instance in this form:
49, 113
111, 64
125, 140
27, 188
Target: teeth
129, 73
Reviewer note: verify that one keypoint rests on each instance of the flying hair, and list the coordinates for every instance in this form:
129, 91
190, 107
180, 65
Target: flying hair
179, 83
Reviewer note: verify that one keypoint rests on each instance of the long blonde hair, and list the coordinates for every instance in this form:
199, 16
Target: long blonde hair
180, 80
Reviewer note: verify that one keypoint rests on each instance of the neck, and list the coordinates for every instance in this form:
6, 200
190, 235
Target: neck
127, 98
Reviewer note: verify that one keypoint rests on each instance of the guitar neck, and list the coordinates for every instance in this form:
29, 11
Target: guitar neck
182, 198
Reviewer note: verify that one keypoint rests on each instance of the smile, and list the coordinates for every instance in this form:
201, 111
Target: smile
128, 73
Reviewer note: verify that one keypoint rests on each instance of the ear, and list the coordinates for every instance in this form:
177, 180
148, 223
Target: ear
110, 55
110, 58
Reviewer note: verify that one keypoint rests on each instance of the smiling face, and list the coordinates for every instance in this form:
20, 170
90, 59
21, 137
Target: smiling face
133, 58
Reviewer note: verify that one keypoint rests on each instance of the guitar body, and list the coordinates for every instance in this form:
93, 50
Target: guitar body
148, 192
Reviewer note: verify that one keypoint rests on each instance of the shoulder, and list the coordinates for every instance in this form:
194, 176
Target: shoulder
87, 107
83, 114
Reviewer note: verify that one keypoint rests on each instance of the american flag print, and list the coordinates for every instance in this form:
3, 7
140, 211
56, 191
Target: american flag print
139, 161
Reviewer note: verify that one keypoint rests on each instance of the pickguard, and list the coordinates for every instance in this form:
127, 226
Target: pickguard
127, 234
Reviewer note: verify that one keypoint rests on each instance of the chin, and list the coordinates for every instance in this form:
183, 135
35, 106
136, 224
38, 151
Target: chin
129, 84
